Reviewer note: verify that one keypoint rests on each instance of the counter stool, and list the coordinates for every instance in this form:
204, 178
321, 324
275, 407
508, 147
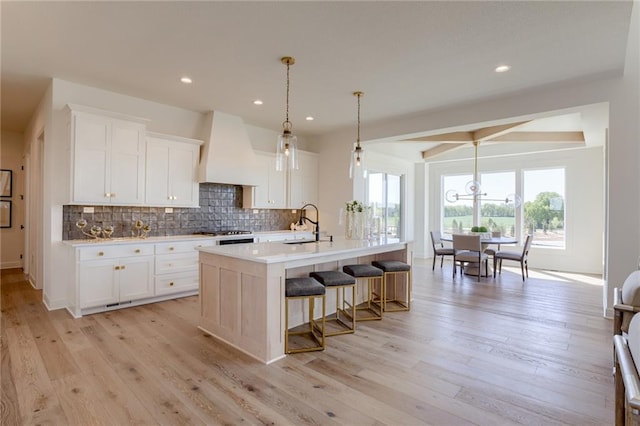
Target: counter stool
340, 280
374, 276
393, 268
310, 289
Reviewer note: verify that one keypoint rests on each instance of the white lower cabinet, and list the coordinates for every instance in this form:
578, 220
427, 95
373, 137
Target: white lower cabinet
177, 266
117, 275
121, 275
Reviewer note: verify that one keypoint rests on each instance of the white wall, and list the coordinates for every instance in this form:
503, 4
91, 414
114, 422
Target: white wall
584, 201
12, 239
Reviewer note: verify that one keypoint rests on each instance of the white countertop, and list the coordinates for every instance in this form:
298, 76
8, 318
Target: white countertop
173, 238
135, 240
275, 252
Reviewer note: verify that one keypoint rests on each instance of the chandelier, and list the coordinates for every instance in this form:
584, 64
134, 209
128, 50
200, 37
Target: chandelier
357, 166
287, 150
473, 189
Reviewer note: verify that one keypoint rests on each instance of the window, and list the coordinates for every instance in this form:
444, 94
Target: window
457, 216
544, 206
384, 194
495, 214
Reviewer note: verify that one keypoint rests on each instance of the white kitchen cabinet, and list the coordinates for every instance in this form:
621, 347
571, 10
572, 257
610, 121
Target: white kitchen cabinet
177, 266
108, 157
285, 189
303, 183
114, 274
271, 192
171, 171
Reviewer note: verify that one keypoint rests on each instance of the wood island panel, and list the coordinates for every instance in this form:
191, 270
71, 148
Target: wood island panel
242, 288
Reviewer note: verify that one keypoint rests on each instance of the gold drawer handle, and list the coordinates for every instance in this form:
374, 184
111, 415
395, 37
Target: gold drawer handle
122, 267
137, 251
170, 248
171, 284
100, 253
117, 268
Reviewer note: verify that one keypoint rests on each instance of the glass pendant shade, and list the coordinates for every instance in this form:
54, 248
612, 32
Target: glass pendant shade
287, 152
287, 145
357, 166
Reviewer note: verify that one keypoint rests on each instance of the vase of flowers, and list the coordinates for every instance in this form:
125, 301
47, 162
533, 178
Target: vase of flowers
355, 220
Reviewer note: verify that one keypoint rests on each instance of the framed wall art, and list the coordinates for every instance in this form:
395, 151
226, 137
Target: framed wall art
6, 184
5, 214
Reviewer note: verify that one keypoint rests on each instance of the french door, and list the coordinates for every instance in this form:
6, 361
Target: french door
385, 196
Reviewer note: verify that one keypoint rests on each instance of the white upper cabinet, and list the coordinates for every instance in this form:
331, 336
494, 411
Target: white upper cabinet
271, 192
172, 167
286, 189
303, 183
108, 158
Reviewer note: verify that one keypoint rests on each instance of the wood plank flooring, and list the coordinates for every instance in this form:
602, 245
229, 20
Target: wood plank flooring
490, 353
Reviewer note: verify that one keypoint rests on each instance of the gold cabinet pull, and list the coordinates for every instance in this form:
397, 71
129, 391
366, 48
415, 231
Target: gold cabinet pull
171, 284
100, 253
137, 251
170, 248
122, 267
117, 268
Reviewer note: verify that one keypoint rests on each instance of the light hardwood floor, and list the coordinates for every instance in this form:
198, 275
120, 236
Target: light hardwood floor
489, 353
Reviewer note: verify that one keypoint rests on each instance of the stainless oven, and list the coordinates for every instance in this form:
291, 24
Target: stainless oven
235, 240
229, 236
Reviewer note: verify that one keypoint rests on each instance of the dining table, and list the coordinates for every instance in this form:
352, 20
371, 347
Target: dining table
486, 239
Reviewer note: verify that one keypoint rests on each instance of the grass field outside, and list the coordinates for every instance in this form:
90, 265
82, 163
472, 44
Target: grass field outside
506, 225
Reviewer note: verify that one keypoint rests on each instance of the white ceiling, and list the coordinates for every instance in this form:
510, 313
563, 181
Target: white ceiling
408, 57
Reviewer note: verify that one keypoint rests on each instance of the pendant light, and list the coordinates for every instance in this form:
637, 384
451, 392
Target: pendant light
473, 191
357, 165
287, 149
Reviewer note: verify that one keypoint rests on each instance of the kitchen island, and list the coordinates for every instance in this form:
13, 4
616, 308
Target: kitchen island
242, 287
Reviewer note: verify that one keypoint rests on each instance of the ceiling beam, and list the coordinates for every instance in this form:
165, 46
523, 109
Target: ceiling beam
440, 149
487, 133
547, 137
454, 137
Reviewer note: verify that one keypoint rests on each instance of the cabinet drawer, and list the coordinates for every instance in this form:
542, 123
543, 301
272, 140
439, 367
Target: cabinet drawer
181, 262
111, 252
176, 283
182, 246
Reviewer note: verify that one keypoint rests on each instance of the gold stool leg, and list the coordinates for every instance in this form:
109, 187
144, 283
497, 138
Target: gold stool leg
313, 326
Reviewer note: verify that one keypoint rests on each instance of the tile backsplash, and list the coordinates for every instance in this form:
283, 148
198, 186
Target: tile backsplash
220, 208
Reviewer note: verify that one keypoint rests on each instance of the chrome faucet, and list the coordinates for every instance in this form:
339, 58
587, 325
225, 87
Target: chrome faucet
316, 222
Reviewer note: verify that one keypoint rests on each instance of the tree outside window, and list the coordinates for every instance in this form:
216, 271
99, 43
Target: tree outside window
544, 206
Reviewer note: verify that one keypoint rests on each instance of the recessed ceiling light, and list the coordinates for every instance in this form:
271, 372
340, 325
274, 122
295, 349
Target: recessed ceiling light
309, 118
186, 80
257, 102
502, 68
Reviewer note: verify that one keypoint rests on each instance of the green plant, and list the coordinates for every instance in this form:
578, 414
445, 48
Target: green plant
355, 206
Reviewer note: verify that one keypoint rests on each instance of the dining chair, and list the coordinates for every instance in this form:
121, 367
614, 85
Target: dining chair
522, 257
490, 250
439, 249
468, 249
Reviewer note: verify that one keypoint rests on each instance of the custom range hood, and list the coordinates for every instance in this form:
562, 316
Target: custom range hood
227, 155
